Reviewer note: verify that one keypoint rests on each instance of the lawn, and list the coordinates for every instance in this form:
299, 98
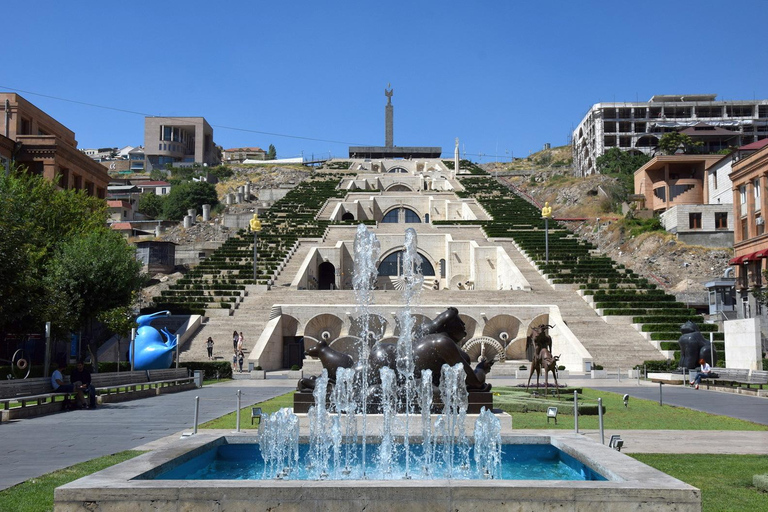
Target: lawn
725, 481
640, 415
229, 421
36, 494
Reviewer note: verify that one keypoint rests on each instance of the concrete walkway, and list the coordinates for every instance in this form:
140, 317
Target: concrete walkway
35, 446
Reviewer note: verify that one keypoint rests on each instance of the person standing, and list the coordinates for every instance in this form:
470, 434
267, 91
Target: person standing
234, 362
235, 337
240, 342
209, 346
240, 359
83, 376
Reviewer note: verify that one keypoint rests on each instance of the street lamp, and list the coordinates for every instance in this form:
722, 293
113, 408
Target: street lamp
546, 213
255, 228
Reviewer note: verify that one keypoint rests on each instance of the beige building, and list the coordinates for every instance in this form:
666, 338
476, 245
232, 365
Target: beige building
179, 141
47, 147
240, 155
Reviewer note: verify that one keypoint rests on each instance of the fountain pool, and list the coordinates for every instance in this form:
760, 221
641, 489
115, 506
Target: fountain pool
134, 485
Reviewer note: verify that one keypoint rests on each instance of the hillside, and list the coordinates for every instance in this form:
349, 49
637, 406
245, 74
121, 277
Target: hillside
680, 268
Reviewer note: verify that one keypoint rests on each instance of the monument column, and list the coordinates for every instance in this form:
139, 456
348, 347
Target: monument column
389, 114
456, 158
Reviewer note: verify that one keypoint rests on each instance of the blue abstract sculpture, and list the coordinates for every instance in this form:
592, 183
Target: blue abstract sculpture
150, 351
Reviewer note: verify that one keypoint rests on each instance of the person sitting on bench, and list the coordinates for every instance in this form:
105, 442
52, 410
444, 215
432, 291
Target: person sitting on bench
83, 376
58, 385
703, 373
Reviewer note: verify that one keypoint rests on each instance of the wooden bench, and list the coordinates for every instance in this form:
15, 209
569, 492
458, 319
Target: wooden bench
36, 392
736, 378
35, 396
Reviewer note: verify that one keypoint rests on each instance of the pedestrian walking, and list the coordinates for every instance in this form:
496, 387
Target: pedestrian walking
209, 346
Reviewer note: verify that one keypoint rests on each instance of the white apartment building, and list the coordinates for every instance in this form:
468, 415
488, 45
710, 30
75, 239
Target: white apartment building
638, 126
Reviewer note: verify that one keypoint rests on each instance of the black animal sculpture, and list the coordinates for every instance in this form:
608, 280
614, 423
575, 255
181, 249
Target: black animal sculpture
331, 359
694, 347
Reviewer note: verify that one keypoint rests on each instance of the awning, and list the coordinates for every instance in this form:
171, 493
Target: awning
749, 257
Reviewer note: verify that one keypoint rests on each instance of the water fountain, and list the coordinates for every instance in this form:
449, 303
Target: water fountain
347, 458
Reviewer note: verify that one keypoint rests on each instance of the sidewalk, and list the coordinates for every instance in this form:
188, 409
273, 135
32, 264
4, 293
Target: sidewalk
34, 446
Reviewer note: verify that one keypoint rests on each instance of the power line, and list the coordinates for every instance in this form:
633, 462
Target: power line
144, 114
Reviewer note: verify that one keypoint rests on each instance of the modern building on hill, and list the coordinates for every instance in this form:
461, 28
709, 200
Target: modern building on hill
638, 126
750, 244
39, 142
240, 155
179, 141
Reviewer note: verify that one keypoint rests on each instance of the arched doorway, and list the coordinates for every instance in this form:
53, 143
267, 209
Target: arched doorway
348, 216
326, 276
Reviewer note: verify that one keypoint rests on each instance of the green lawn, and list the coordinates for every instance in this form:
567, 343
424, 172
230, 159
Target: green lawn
640, 415
36, 495
229, 421
725, 480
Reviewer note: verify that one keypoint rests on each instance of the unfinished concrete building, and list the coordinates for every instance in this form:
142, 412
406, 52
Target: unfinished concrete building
639, 126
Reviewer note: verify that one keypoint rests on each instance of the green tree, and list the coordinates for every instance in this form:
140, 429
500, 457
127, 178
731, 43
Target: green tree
616, 161
187, 195
271, 152
673, 141
91, 275
151, 205
35, 219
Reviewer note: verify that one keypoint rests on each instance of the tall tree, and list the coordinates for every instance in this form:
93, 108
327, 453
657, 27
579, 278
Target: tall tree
187, 195
90, 275
271, 152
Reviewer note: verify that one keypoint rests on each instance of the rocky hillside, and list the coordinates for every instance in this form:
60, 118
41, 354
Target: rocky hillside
680, 268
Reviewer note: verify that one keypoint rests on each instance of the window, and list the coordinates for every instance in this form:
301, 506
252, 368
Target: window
759, 225
744, 232
743, 195
392, 265
26, 127
694, 220
411, 217
756, 188
391, 217
721, 220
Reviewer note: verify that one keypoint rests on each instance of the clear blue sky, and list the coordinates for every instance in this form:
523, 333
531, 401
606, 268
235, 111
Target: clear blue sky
503, 76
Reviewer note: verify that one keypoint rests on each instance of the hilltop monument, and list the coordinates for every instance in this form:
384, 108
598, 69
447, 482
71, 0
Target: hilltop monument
389, 116
389, 150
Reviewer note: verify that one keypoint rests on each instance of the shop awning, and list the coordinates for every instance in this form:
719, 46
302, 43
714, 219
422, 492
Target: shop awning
749, 257
737, 260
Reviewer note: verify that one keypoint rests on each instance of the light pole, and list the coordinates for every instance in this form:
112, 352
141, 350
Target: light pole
598, 234
255, 228
546, 213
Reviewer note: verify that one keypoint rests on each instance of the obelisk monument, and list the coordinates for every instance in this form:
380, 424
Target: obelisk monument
456, 158
388, 118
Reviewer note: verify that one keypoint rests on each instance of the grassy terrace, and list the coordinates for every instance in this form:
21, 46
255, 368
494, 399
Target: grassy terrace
219, 281
615, 289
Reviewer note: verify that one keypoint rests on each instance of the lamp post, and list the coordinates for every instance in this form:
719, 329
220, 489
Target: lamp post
546, 213
255, 228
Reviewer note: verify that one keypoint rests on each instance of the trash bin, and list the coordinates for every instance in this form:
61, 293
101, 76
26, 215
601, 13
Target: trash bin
198, 378
250, 366
587, 366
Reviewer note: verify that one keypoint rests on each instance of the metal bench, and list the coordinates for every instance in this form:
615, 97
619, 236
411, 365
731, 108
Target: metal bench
256, 414
737, 377
36, 392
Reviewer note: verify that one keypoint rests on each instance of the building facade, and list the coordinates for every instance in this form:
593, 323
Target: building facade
750, 244
179, 141
240, 155
638, 126
47, 147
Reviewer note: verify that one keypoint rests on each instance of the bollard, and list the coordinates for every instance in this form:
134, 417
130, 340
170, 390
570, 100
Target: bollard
238, 410
206, 212
197, 413
638, 376
187, 222
575, 411
600, 419
660, 398
619, 373
192, 212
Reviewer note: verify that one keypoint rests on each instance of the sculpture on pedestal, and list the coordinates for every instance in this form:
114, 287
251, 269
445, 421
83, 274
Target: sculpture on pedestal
694, 347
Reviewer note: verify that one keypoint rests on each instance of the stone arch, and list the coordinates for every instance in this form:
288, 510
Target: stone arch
325, 326
427, 267
348, 216
419, 321
377, 326
399, 187
397, 169
489, 347
290, 325
326, 276
647, 141
470, 325
503, 328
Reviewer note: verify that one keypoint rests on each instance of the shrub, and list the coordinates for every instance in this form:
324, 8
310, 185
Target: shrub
295, 367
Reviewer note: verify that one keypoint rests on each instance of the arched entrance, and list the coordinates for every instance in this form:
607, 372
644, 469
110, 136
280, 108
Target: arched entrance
348, 216
326, 276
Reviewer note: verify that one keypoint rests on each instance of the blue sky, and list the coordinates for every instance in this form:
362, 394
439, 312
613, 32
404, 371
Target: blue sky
503, 76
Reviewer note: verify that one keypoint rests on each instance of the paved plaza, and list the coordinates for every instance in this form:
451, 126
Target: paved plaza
35, 446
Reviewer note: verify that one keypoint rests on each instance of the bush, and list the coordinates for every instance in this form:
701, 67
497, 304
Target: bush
295, 368
597, 367
665, 365
151, 205
188, 195
210, 368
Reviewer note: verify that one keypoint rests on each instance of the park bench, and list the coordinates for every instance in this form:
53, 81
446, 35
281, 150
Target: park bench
35, 397
35, 392
736, 378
